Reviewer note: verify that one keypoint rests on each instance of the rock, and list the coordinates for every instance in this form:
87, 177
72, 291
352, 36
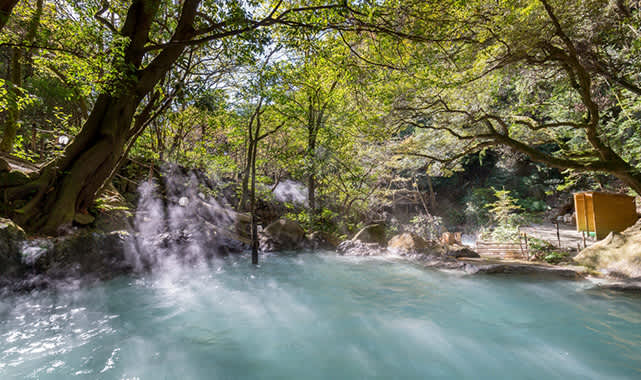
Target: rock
458, 251
242, 225
568, 218
33, 249
618, 255
13, 178
11, 239
321, 240
359, 248
628, 287
281, 235
410, 242
4, 166
113, 213
83, 219
450, 238
86, 254
374, 233
508, 268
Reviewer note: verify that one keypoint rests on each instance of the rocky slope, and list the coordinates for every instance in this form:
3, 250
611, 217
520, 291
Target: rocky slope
618, 255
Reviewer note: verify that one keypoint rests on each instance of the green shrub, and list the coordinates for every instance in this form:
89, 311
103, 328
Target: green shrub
504, 208
533, 205
427, 226
556, 257
501, 233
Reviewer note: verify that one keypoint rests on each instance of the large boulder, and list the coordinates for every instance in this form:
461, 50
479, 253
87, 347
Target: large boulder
12, 238
459, 251
321, 240
243, 226
410, 242
4, 166
113, 213
282, 235
34, 262
86, 254
618, 255
13, 178
374, 233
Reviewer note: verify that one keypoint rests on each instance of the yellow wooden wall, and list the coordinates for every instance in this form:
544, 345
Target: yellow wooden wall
603, 213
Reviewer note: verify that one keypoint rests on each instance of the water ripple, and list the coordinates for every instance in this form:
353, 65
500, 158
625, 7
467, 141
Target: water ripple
320, 316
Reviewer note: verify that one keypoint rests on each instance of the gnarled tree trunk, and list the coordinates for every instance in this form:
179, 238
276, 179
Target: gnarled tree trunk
70, 184
6, 7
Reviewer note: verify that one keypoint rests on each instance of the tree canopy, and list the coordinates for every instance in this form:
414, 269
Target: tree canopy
340, 96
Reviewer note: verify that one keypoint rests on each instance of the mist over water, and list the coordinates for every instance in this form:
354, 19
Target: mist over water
319, 315
291, 192
187, 313
177, 222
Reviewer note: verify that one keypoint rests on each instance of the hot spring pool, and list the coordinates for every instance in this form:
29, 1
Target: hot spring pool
321, 316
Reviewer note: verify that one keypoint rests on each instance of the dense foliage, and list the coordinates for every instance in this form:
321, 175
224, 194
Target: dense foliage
366, 106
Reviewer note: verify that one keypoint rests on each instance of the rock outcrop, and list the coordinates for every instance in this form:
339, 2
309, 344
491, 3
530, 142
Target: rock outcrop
411, 243
407, 244
618, 255
11, 240
374, 233
491, 267
459, 251
4, 166
94, 254
281, 235
36, 262
321, 240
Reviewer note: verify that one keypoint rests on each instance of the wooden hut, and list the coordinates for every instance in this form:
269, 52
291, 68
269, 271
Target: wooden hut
603, 213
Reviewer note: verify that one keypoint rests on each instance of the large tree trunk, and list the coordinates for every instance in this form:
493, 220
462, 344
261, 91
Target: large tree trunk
242, 204
311, 175
15, 77
13, 113
252, 197
6, 7
69, 184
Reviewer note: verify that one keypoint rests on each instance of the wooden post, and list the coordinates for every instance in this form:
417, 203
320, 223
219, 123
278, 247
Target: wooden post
254, 240
521, 243
253, 210
583, 236
585, 214
558, 235
527, 247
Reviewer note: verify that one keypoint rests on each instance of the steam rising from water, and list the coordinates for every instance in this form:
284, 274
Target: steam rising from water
292, 192
310, 315
178, 221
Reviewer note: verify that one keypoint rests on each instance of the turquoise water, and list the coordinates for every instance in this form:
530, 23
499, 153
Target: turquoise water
321, 317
